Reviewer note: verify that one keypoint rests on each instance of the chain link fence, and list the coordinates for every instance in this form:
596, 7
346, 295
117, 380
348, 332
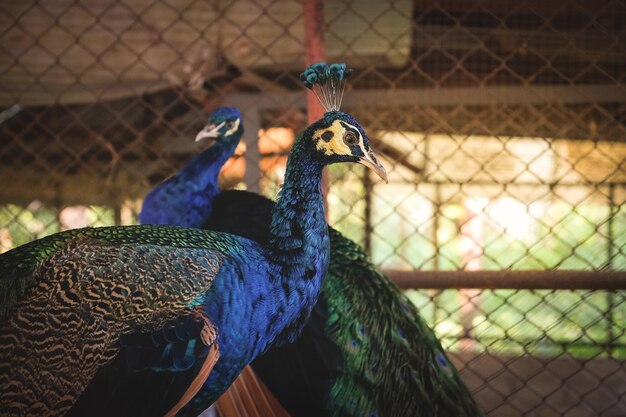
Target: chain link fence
502, 125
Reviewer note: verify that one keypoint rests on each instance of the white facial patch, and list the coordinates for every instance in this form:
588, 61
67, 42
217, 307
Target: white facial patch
234, 128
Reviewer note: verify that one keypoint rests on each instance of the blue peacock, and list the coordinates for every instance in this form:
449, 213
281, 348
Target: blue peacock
193, 306
365, 351
185, 198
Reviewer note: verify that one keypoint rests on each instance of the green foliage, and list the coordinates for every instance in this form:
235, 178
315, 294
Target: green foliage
20, 225
581, 324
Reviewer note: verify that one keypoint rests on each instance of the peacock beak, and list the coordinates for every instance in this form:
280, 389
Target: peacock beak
210, 131
370, 161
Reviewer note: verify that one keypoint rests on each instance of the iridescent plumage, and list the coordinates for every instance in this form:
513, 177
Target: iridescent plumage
77, 297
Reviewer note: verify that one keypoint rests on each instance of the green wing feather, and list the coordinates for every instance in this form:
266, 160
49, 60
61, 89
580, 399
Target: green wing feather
413, 361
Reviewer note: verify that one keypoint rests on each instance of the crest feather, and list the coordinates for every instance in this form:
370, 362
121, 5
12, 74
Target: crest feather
328, 82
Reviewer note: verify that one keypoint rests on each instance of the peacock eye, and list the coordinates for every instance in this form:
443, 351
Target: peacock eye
350, 139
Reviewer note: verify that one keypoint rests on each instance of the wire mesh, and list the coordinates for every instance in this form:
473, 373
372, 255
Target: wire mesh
502, 125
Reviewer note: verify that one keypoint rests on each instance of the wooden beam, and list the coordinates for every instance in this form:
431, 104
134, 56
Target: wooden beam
499, 6
591, 48
602, 93
518, 280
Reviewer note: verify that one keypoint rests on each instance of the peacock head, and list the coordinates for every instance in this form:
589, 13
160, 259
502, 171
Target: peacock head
338, 137
224, 125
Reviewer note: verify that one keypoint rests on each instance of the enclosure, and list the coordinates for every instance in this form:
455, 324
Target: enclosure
502, 125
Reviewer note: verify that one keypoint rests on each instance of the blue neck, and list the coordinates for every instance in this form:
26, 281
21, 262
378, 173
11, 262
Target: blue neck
298, 222
299, 244
204, 169
185, 199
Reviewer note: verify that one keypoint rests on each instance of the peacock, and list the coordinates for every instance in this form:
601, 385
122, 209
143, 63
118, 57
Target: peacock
365, 350
191, 305
185, 199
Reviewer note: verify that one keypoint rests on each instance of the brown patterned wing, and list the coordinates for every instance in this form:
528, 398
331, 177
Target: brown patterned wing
86, 295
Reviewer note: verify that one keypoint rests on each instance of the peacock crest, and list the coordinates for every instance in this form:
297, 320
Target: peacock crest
328, 82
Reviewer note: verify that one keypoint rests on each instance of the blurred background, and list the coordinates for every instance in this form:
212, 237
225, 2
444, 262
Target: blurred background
502, 125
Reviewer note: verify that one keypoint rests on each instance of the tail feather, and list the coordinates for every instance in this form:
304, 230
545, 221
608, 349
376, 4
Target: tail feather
249, 397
